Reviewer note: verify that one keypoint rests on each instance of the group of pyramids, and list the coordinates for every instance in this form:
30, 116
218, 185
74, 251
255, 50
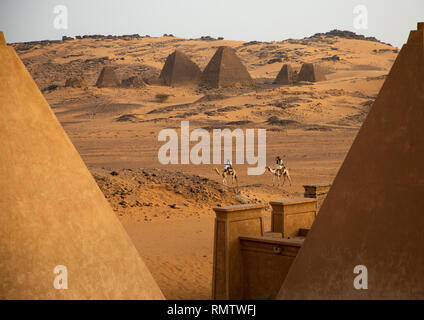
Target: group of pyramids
309, 72
108, 79
223, 70
53, 213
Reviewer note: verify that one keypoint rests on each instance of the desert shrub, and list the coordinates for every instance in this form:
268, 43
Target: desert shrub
162, 97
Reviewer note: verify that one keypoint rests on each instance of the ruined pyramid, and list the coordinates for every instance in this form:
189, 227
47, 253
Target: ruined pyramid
75, 82
179, 70
286, 75
373, 214
52, 212
133, 82
225, 70
107, 78
311, 72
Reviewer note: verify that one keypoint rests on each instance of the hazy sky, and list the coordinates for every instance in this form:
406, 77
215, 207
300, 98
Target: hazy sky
265, 20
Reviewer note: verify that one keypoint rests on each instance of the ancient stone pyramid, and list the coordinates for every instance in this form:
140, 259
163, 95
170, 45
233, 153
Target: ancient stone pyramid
311, 72
286, 75
133, 82
52, 212
373, 214
107, 78
75, 82
225, 70
179, 70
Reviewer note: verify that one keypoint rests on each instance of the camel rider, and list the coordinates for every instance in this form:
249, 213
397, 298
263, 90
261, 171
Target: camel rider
279, 165
228, 167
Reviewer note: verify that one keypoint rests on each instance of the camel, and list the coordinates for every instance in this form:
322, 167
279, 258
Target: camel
226, 173
278, 173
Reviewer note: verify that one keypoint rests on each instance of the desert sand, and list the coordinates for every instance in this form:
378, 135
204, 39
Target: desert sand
167, 209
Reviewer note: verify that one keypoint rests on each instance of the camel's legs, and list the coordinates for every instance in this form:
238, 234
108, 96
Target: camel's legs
234, 181
288, 177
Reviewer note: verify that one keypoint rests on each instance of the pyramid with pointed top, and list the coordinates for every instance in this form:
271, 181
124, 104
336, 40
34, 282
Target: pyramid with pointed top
286, 75
179, 70
373, 215
225, 70
108, 78
311, 72
52, 212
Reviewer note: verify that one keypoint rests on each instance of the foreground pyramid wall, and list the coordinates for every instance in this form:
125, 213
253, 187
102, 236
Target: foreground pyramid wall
51, 210
2, 39
179, 70
225, 70
373, 214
